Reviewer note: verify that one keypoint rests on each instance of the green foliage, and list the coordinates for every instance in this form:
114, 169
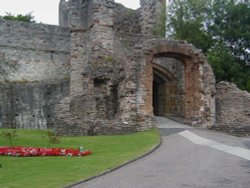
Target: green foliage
232, 26
221, 28
10, 136
224, 64
53, 138
19, 17
186, 21
108, 152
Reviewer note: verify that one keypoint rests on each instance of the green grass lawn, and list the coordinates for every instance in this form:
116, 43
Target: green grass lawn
108, 152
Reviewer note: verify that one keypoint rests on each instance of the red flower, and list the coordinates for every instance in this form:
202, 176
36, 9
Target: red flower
25, 151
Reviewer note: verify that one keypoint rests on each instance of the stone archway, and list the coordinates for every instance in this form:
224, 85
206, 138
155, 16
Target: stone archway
197, 106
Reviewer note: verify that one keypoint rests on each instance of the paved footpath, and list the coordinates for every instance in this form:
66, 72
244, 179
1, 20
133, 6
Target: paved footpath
187, 158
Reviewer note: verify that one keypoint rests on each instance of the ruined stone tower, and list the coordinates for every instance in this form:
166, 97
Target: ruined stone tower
92, 34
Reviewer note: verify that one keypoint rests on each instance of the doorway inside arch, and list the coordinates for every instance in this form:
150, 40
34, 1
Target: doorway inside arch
168, 87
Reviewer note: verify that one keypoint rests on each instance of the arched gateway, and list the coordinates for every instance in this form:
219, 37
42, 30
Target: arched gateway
175, 80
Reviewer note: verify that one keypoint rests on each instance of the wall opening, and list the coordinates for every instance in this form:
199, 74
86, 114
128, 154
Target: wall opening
168, 87
106, 98
159, 95
112, 102
100, 93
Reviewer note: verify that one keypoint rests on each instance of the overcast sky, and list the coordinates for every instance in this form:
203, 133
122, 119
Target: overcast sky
45, 11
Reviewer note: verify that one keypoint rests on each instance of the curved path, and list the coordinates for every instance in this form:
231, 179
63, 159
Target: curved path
187, 158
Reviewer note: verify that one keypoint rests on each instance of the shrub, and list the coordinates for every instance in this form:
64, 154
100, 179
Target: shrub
10, 136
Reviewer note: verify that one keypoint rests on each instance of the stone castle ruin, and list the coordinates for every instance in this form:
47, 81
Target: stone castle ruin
102, 71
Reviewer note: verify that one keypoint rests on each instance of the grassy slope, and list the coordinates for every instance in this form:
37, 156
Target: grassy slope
108, 152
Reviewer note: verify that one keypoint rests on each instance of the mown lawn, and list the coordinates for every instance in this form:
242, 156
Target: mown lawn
39, 172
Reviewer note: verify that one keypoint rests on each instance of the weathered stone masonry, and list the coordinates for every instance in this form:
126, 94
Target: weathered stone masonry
233, 109
111, 69
100, 72
34, 73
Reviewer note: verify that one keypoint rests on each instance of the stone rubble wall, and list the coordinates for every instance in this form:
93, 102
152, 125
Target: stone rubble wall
34, 73
126, 21
101, 99
209, 91
30, 105
150, 15
232, 109
33, 52
75, 14
104, 107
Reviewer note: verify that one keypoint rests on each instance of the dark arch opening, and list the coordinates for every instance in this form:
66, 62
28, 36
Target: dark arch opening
158, 94
167, 86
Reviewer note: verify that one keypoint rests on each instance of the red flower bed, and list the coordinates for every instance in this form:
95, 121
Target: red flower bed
28, 152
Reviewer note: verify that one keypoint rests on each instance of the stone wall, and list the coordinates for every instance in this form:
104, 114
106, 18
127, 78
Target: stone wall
126, 21
100, 100
34, 73
33, 52
30, 105
209, 91
107, 103
232, 109
75, 13
151, 11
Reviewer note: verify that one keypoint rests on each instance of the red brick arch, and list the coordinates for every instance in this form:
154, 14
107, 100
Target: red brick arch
197, 102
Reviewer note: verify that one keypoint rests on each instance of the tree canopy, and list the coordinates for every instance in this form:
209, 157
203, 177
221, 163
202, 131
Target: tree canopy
19, 17
221, 28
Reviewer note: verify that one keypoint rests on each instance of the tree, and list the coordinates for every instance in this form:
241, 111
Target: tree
19, 17
232, 26
225, 65
221, 28
186, 20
